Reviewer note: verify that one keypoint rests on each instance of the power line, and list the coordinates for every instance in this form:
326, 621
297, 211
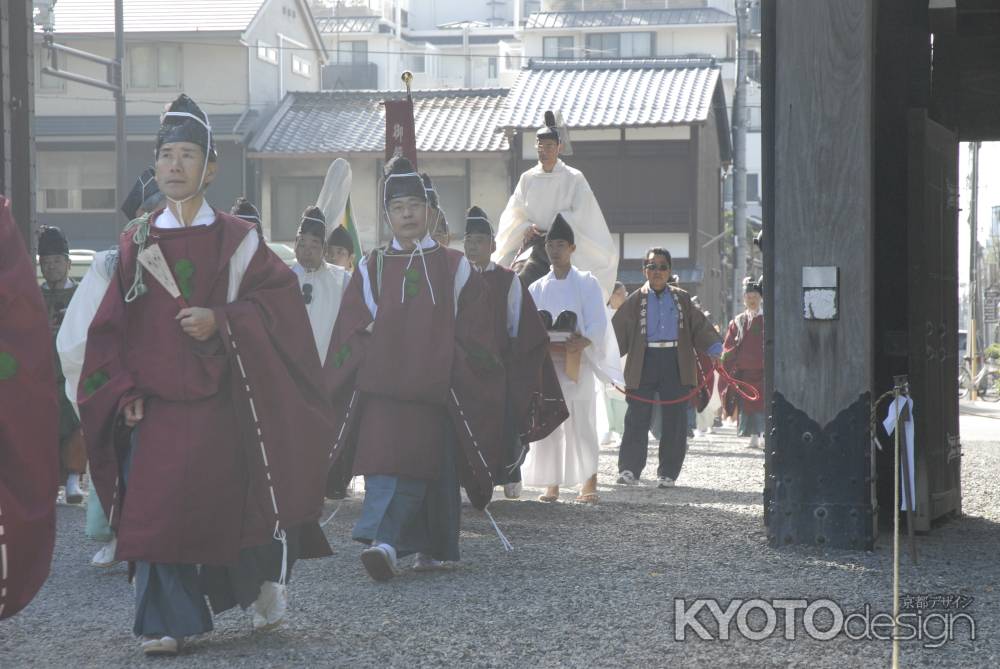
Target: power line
432, 52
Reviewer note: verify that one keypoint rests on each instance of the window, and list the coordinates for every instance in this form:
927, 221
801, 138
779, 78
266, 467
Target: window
491, 68
637, 45
753, 188
418, 63
76, 181
353, 52
620, 45
154, 66
267, 52
603, 45
301, 66
557, 47
752, 63
996, 222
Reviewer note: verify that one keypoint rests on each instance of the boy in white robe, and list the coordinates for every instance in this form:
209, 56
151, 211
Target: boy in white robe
569, 456
322, 284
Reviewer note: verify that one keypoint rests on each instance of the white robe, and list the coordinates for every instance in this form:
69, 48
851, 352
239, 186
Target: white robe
538, 197
329, 283
570, 454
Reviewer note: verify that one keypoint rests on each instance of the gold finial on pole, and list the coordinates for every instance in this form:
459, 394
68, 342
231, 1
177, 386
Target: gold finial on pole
407, 77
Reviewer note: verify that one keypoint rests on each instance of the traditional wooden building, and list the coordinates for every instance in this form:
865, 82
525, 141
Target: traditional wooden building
652, 137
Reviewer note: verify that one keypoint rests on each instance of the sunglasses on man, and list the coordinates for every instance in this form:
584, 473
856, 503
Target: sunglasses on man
307, 292
652, 267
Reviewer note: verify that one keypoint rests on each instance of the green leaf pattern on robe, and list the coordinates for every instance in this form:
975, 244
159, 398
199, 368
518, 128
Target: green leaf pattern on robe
184, 272
94, 382
342, 355
8, 366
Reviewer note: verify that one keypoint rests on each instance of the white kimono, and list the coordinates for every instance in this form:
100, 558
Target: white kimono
538, 197
329, 283
570, 454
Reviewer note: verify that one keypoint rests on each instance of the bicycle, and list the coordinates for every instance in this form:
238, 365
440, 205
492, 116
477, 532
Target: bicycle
987, 381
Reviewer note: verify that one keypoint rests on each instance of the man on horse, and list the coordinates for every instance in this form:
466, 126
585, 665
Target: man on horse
552, 187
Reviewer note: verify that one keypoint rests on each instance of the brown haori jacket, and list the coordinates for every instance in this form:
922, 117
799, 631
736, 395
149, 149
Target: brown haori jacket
694, 332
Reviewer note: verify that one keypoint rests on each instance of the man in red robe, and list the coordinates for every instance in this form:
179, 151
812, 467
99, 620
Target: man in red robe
413, 357
534, 399
204, 414
743, 357
29, 426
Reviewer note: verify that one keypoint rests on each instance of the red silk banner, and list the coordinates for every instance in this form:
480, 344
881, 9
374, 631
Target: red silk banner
400, 133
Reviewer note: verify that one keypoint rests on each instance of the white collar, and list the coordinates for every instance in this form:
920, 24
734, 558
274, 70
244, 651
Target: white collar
68, 283
489, 268
425, 243
552, 274
302, 271
558, 167
205, 216
754, 314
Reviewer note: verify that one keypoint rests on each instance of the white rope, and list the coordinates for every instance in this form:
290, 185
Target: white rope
895, 539
3, 565
520, 459
418, 249
327, 521
279, 534
204, 167
507, 546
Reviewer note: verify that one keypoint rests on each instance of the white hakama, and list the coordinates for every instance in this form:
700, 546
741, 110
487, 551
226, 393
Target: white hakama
569, 455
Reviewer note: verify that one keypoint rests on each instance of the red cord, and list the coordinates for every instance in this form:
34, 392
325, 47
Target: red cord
751, 395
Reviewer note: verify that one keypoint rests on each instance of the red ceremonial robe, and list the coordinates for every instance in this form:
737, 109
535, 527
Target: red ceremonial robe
534, 397
420, 367
743, 354
29, 426
236, 429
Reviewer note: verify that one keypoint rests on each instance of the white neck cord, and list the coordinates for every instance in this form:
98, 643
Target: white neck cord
204, 168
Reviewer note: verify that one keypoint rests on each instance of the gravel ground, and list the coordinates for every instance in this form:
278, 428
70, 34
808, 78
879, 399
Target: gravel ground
586, 586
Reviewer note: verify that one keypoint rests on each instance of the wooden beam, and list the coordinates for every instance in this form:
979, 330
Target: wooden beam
823, 200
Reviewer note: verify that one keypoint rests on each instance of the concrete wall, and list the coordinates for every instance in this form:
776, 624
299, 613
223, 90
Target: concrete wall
223, 92
282, 24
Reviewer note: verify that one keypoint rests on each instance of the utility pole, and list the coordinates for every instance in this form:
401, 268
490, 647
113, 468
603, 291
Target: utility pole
117, 77
17, 112
740, 154
974, 269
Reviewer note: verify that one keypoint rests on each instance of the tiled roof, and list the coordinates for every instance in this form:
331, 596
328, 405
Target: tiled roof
347, 24
331, 122
104, 126
627, 18
601, 94
98, 16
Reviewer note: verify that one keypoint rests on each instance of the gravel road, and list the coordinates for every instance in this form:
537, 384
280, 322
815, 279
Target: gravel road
585, 587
